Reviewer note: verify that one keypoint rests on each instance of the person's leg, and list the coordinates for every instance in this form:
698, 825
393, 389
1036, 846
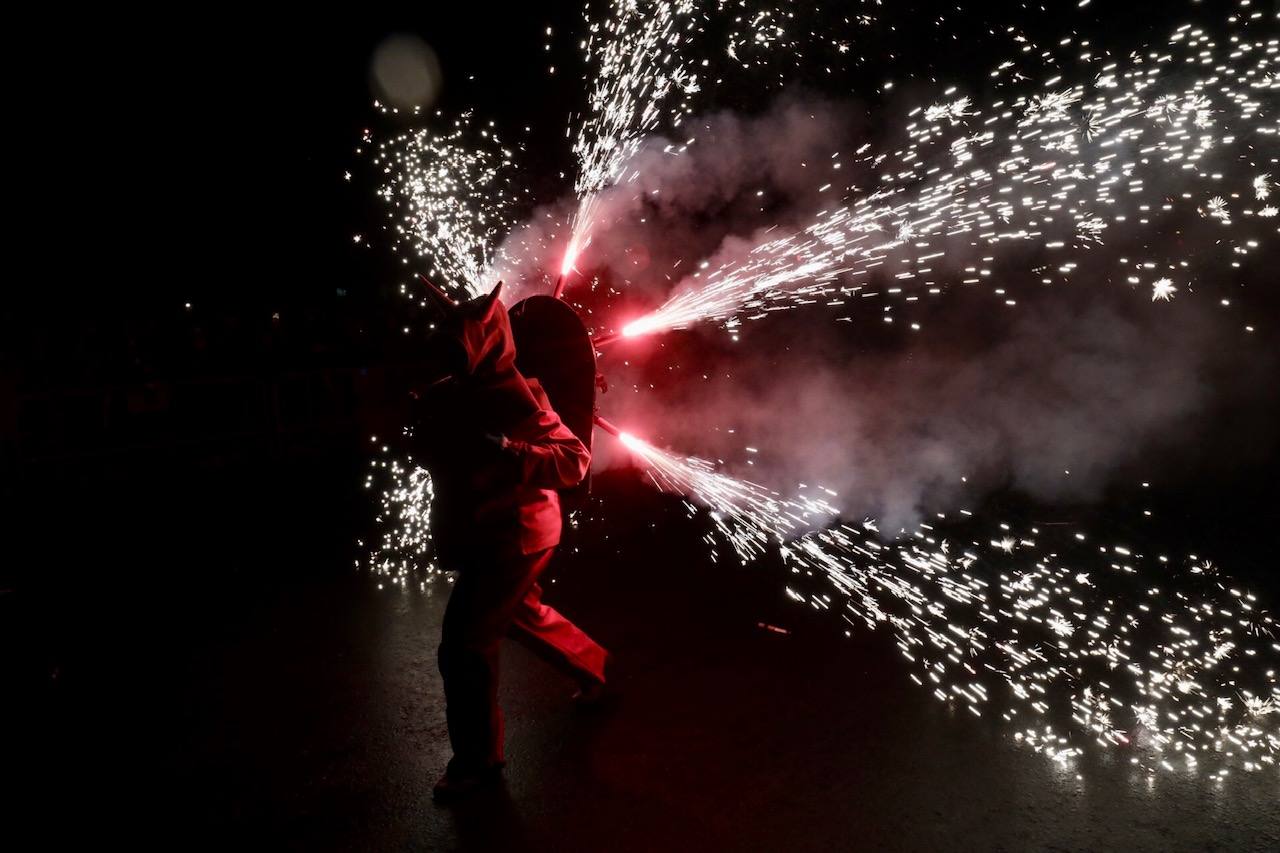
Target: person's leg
480, 611
554, 638
468, 658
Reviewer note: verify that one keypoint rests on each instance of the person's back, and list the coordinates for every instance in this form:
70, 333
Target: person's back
497, 454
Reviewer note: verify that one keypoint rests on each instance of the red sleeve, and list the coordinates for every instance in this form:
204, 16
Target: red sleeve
555, 458
550, 455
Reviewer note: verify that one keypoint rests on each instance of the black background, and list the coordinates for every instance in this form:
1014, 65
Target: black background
197, 157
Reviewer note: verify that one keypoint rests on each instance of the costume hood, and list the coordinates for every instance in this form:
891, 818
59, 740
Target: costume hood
483, 353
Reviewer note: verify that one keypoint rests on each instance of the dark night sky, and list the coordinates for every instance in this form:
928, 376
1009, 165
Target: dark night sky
200, 159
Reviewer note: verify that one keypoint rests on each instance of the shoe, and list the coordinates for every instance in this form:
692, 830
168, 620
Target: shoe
458, 782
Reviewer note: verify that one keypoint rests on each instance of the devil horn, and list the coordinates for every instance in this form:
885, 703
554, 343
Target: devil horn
491, 301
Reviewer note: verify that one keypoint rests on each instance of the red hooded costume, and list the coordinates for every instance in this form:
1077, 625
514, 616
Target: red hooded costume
497, 453
492, 495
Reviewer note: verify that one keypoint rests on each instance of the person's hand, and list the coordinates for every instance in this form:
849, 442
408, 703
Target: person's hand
499, 440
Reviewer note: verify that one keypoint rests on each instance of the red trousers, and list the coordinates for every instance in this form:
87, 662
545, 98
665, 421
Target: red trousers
490, 601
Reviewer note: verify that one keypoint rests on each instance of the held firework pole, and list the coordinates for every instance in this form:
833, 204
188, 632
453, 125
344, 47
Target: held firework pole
567, 267
605, 340
627, 440
608, 427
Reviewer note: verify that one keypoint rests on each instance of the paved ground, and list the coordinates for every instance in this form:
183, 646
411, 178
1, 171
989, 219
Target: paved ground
246, 689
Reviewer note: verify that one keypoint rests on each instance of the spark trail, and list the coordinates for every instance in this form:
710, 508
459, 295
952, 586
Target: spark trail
450, 196
1137, 154
1074, 645
641, 55
635, 51
750, 516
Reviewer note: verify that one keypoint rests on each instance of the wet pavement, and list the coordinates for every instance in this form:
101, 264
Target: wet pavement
248, 689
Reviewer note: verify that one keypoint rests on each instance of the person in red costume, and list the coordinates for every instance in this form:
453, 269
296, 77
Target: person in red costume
497, 454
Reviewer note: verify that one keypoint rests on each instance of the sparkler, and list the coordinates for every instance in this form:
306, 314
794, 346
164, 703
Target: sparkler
1163, 289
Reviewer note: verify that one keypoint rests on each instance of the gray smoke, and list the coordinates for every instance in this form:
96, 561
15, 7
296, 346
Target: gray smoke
1065, 393
1072, 392
674, 205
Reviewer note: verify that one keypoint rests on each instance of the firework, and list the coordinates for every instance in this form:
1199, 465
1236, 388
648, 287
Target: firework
750, 516
1134, 149
1072, 645
638, 66
450, 197
1075, 646
404, 554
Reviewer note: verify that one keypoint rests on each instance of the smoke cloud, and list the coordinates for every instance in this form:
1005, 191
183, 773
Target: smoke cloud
1067, 395
1057, 397
676, 203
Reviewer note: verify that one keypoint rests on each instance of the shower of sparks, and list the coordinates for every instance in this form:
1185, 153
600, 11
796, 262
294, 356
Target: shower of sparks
1130, 154
450, 198
638, 66
1262, 187
403, 554
1074, 645
641, 56
749, 516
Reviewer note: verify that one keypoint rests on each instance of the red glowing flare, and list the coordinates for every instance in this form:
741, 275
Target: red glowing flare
639, 327
570, 257
628, 440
